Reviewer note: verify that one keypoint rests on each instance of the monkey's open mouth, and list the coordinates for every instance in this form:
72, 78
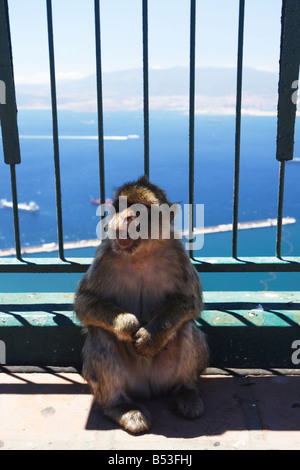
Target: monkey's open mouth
125, 245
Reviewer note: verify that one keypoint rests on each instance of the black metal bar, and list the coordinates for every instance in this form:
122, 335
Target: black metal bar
8, 115
238, 128
288, 76
99, 101
15, 210
55, 130
205, 265
192, 119
8, 107
146, 87
280, 208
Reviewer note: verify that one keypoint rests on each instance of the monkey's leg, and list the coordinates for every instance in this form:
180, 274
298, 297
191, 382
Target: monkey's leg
132, 417
106, 367
188, 402
194, 359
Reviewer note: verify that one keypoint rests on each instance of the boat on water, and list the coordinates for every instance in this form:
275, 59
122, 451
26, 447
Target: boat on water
22, 206
98, 202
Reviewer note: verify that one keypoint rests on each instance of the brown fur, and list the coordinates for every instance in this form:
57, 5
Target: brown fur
139, 305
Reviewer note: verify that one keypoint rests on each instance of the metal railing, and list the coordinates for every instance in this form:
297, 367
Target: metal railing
289, 69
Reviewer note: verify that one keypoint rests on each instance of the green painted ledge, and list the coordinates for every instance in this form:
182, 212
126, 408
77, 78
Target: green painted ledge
244, 329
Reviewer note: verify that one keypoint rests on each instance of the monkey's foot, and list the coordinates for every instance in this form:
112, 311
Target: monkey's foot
134, 418
189, 403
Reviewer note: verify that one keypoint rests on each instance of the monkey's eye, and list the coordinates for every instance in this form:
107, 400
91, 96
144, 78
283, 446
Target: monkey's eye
130, 218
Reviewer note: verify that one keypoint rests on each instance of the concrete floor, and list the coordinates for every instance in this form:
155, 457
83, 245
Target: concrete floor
55, 411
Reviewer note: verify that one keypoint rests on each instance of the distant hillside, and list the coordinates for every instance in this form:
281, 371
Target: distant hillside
168, 88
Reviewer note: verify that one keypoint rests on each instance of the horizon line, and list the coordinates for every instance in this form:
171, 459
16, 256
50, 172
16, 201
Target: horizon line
44, 78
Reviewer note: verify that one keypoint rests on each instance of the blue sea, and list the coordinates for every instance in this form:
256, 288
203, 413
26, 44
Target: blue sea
169, 155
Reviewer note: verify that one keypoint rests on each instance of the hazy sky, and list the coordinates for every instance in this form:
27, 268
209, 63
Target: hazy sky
121, 32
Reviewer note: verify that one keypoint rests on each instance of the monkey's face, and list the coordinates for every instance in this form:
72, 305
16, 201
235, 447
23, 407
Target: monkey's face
127, 228
141, 217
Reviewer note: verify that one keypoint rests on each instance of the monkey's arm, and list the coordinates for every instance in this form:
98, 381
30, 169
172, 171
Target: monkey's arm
92, 310
177, 309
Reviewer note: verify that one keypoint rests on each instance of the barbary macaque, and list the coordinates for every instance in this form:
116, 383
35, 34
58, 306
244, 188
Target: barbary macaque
138, 300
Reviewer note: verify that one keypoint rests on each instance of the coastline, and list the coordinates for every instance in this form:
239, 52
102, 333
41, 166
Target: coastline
52, 247
243, 226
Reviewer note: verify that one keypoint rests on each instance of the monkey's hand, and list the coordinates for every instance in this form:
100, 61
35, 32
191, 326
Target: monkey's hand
154, 336
147, 343
125, 325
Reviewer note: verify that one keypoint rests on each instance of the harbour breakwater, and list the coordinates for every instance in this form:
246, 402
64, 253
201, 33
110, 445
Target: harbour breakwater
52, 247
